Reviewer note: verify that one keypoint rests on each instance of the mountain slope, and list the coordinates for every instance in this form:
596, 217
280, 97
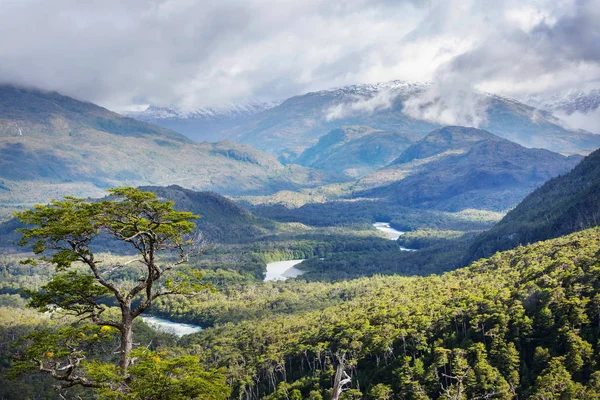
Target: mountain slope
356, 150
522, 323
221, 220
565, 204
296, 124
51, 145
568, 101
203, 124
455, 168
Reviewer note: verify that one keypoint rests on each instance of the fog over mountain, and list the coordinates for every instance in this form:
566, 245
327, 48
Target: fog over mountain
210, 53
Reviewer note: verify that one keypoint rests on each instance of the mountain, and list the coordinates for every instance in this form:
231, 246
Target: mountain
455, 168
297, 123
221, 220
356, 150
568, 101
52, 145
565, 204
202, 124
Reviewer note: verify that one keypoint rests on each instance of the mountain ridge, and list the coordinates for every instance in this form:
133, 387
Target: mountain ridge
52, 145
477, 170
562, 205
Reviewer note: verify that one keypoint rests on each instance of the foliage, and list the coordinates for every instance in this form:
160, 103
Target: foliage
65, 232
474, 333
156, 376
563, 205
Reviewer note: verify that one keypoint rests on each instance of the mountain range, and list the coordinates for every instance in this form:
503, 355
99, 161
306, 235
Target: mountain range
202, 124
52, 145
289, 128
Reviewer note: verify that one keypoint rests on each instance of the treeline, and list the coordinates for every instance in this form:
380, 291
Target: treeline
348, 213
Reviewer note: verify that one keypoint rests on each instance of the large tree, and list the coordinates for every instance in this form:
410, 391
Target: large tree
68, 234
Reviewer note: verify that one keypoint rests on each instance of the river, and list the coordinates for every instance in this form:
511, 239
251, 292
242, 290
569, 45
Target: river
176, 328
282, 270
391, 233
276, 271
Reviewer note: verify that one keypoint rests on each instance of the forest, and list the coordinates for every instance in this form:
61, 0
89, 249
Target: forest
524, 323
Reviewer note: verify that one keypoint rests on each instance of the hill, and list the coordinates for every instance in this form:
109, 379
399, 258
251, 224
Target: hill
565, 204
221, 220
521, 323
356, 150
52, 145
455, 168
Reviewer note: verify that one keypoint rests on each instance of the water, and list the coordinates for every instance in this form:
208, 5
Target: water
282, 270
391, 233
385, 227
176, 328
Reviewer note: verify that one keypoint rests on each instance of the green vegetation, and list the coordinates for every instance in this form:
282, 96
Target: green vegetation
562, 205
454, 168
64, 233
522, 323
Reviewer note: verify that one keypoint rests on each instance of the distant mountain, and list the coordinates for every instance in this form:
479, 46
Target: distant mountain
356, 150
288, 128
455, 168
52, 145
564, 204
297, 123
568, 101
202, 124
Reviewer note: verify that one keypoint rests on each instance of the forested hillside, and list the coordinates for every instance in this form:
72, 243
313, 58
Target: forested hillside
455, 167
565, 204
523, 323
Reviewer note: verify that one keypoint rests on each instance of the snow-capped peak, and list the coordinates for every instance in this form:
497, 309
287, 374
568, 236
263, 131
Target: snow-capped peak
568, 101
371, 88
229, 111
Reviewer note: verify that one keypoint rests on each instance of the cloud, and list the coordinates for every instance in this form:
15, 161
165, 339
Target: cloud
198, 53
382, 100
448, 103
589, 121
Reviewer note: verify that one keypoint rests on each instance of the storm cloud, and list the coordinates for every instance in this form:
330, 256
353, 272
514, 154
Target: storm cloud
202, 53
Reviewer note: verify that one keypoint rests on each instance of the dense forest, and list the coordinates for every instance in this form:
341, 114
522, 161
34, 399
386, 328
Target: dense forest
522, 323
564, 204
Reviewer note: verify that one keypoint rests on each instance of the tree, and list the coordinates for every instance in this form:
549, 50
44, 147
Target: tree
67, 234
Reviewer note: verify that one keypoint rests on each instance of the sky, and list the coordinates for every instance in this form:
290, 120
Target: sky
208, 53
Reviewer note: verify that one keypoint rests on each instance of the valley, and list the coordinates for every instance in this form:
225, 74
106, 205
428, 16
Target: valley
365, 244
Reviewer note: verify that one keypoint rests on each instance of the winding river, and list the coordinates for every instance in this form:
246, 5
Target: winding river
391, 233
176, 328
276, 271
282, 270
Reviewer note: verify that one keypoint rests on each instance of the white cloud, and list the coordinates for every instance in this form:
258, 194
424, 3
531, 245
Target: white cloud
587, 121
361, 105
199, 53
